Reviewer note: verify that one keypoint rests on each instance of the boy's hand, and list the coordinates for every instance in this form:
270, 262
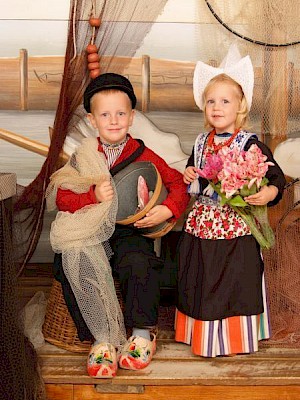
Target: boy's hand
190, 175
261, 198
155, 216
104, 191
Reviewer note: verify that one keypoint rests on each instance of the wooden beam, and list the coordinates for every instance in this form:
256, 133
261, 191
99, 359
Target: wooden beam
28, 144
23, 79
145, 83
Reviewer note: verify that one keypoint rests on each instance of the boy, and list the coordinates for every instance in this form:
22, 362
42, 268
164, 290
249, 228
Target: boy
110, 101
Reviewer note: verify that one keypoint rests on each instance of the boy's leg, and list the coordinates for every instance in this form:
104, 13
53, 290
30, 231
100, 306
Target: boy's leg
82, 329
138, 269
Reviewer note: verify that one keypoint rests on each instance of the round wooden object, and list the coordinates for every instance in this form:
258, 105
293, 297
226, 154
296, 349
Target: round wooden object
126, 185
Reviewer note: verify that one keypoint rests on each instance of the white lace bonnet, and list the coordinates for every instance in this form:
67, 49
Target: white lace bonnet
238, 68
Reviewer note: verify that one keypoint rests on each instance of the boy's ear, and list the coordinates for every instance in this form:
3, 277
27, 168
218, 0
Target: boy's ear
91, 118
132, 117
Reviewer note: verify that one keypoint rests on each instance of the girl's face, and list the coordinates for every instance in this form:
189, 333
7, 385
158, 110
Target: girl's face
112, 115
222, 105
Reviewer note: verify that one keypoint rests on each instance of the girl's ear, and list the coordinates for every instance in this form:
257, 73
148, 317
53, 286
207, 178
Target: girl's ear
91, 118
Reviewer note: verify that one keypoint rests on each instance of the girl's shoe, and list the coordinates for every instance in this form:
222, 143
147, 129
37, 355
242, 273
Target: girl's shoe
102, 361
137, 352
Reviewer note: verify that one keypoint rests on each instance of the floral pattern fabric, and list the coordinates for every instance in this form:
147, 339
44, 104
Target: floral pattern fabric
215, 222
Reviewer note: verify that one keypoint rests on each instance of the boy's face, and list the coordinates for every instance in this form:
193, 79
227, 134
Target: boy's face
112, 114
221, 107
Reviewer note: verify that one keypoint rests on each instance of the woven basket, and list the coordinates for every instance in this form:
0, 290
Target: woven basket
59, 328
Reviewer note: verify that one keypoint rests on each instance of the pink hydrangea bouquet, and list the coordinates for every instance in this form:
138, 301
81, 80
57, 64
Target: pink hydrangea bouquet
235, 174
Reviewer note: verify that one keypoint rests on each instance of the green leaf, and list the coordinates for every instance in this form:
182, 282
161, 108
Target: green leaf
224, 199
237, 201
264, 181
217, 188
253, 189
245, 191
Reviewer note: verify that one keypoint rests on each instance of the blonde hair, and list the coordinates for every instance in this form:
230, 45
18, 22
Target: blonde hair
108, 91
242, 119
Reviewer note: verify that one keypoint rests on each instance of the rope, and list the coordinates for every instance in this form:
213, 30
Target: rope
74, 31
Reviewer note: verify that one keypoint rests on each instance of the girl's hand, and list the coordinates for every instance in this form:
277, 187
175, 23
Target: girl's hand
261, 198
104, 191
155, 216
190, 175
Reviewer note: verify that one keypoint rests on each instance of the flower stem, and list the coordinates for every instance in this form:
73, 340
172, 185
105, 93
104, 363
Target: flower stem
265, 236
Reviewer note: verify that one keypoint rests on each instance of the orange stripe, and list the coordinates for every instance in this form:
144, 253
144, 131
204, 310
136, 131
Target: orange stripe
197, 338
180, 328
234, 333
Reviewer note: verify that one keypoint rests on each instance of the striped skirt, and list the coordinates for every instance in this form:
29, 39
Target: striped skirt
233, 335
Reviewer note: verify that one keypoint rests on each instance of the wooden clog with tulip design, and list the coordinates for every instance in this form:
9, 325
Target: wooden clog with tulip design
137, 352
102, 361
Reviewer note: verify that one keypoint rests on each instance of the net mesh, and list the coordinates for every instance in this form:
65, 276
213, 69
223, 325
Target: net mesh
269, 31
82, 238
123, 28
282, 265
20, 372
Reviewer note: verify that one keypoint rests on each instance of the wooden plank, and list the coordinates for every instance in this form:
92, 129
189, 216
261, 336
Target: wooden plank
270, 368
167, 349
86, 392
171, 83
10, 83
59, 392
44, 82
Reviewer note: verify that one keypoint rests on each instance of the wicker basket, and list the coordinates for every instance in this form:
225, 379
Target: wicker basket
59, 328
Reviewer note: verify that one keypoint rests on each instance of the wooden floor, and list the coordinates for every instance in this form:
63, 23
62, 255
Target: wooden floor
272, 373
175, 374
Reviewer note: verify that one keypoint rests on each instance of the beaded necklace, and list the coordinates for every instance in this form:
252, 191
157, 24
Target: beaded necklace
212, 146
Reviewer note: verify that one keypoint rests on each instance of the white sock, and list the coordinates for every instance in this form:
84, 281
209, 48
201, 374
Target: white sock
145, 333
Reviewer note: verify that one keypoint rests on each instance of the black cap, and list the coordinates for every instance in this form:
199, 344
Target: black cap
105, 82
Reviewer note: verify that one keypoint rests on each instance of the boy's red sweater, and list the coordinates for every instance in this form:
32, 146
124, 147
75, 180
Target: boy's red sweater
177, 199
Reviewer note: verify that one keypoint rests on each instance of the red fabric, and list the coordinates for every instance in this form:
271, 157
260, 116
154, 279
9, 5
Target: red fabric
176, 201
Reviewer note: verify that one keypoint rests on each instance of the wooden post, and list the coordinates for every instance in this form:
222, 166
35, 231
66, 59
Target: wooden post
23, 79
145, 83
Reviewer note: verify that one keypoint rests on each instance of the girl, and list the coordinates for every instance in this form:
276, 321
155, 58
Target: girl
221, 307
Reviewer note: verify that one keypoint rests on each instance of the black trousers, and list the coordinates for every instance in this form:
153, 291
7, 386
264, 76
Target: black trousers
137, 267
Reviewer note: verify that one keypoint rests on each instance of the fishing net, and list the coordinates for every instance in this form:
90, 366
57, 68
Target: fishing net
124, 25
82, 238
282, 269
20, 372
269, 31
